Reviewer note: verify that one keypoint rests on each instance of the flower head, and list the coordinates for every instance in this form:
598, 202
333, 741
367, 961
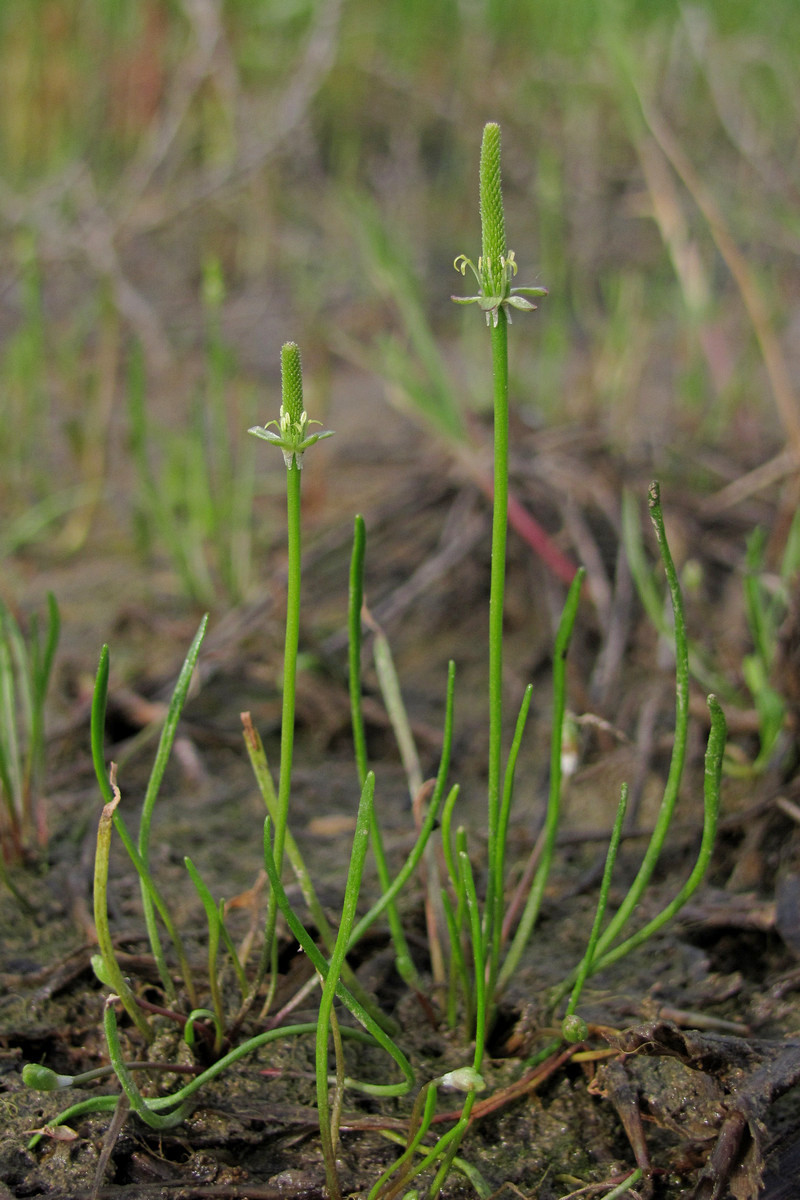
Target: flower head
494, 288
496, 265
292, 437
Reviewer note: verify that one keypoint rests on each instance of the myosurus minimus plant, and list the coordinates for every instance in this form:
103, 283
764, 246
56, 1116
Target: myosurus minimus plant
476, 944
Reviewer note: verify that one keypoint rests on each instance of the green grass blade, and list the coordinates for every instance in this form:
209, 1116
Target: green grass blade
320, 965
154, 783
112, 970
351, 894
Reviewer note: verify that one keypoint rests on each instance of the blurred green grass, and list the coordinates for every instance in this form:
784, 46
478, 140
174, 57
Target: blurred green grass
138, 142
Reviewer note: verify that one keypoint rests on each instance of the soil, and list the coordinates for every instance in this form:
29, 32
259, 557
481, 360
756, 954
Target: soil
726, 969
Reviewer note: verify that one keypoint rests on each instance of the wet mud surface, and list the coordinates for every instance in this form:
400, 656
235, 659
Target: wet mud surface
714, 997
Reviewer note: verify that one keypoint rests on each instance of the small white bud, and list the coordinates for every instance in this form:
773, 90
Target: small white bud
463, 1079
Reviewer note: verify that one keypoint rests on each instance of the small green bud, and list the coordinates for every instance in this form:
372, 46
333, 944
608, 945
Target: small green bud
99, 968
42, 1079
291, 382
574, 1029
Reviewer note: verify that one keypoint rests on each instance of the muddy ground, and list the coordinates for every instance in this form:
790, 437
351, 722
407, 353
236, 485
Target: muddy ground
715, 996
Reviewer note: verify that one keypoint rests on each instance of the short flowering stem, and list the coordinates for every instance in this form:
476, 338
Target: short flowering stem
293, 478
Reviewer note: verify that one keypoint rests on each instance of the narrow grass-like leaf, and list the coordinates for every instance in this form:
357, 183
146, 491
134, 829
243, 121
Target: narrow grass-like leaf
97, 733
672, 786
354, 609
447, 838
320, 965
711, 796
214, 933
418, 1124
258, 761
428, 825
585, 965
111, 966
403, 960
161, 1103
154, 784
128, 1084
351, 894
479, 962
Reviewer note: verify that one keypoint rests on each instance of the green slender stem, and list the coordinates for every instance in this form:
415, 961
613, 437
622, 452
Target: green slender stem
462, 916
293, 480
292, 638
447, 837
214, 921
338, 1098
499, 336
238, 969
625, 1186
458, 964
481, 1188
202, 1014
351, 893
446, 1164
418, 1124
533, 903
450, 1141
473, 909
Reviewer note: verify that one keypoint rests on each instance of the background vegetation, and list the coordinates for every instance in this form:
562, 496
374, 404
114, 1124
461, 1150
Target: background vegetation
186, 184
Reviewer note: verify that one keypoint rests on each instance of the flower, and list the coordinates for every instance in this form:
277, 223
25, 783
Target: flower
293, 438
490, 299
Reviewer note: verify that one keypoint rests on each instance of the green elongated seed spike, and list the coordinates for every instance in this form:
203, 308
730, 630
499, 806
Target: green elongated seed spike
493, 221
291, 382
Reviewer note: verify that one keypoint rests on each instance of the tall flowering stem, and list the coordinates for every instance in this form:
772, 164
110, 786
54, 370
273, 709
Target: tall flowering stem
493, 245
494, 272
499, 336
